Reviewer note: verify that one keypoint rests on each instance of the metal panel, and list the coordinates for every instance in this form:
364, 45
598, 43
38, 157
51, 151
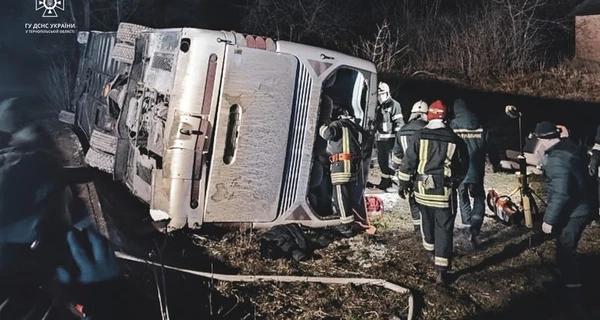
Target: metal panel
248, 188
162, 49
96, 68
296, 139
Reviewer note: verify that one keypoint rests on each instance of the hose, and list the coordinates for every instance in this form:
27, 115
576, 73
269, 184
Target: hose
254, 278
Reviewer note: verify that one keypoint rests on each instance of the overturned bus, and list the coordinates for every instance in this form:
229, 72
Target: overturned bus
214, 126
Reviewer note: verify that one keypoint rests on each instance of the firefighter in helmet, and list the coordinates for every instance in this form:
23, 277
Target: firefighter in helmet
344, 142
388, 121
434, 165
417, 120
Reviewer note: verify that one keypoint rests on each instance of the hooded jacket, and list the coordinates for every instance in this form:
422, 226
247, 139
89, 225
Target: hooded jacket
476, 136
567, 183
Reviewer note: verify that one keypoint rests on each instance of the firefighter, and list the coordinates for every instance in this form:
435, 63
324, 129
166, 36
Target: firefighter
344, 143
476, 136
434, 164
388, 120
416, 121
568, 209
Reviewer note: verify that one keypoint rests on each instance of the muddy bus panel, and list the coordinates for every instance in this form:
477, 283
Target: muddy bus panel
215, 126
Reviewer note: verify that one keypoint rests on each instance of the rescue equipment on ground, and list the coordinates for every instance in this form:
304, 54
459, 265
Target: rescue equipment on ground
502, 206
374, 206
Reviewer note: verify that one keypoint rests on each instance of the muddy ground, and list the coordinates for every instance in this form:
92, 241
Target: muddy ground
502, 280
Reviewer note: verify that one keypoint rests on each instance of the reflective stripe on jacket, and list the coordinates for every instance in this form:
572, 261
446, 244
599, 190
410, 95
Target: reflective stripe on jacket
389, 119
438, 153
344, 137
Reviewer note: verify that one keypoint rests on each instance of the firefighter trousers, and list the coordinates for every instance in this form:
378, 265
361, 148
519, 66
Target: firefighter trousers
437, 227
415, 211
384, 154
567, 240
349, 202
472, 215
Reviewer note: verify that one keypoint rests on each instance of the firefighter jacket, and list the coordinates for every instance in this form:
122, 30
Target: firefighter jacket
404, 139
434, 163
567, 182
344, 138
388, 119
476, 136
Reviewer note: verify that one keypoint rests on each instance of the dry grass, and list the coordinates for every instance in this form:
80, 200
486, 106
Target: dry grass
57, 83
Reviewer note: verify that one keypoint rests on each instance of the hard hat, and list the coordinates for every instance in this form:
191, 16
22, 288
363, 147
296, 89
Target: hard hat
383, 88
546, 130
437, 110
419, 107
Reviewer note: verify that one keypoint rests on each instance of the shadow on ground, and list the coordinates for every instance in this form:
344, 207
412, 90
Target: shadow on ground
545, 303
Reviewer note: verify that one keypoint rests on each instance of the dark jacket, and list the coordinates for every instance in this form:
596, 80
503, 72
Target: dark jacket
404, 138
476, 136
567, 183
437, 157
344, 138
388, 119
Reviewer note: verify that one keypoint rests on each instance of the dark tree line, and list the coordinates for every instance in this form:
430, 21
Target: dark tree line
462, 39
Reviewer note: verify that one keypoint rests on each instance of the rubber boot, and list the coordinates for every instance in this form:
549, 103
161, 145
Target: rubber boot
475, 239
441, 275
346, 230
431, 256
418, 232
385, 183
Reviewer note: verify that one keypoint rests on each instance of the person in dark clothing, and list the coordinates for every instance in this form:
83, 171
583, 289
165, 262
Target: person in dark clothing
568, 209
476, 136
594, 155
344, 143
434, 164
388, 120
37, 243
404, 138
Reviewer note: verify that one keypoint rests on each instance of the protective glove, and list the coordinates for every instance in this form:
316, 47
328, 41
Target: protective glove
93, 257
404, 187
546, 228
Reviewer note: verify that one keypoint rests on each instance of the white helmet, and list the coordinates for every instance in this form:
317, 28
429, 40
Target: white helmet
383, 92
419, 107
383, 88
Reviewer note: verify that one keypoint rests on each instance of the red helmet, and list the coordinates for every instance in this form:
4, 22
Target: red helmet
437, 110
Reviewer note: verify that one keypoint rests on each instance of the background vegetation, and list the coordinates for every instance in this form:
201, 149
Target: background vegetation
519, 46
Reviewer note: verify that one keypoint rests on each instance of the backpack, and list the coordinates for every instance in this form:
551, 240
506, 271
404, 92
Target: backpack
374, 206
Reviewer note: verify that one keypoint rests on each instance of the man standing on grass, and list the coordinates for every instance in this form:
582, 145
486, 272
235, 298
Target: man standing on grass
434, 164
404, 138
467, 126
344, 143
568, 209
388, 121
